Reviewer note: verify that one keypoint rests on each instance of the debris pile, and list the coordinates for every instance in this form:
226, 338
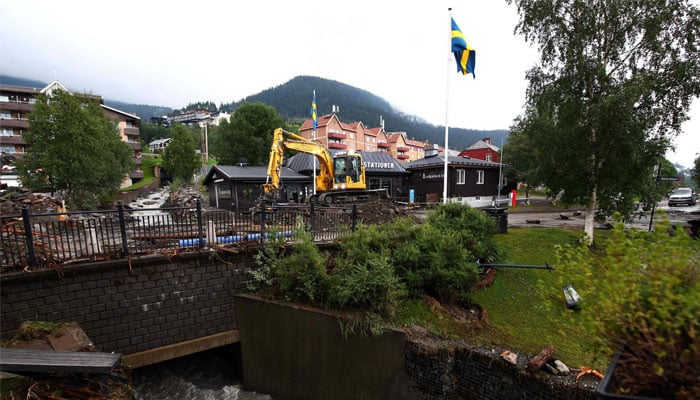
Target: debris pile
380, 212
186, 197
12, 200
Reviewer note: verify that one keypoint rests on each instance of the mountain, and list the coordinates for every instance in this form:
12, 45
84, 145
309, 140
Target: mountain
144, 111
11, 80
292, 101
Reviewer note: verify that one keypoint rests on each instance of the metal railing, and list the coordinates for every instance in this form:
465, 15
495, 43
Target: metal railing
53, 239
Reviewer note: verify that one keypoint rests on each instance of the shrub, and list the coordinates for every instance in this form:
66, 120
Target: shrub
438, 257
299, 273
474, 227
369, 284
642, 289
437, 263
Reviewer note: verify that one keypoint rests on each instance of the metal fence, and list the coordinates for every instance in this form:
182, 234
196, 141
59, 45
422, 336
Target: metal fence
53, 239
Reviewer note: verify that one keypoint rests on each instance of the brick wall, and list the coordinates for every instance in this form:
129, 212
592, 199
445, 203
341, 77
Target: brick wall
153, 302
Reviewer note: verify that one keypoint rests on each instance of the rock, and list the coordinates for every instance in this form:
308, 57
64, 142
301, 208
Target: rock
557, 367
510, 357
562, 369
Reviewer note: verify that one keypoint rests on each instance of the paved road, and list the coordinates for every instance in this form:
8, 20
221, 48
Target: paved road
575, 218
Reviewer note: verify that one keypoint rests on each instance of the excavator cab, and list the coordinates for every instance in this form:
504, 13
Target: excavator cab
347, 171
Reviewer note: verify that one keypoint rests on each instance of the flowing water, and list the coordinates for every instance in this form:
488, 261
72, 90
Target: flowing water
209, 375
146, 207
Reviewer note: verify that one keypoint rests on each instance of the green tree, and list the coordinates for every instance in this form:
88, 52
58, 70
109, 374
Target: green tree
696, 171
248, 135
149, 132
180, 158
520, 165
658, 187
614, 83
75, 148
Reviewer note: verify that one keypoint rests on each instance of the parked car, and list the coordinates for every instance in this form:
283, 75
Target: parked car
681, 196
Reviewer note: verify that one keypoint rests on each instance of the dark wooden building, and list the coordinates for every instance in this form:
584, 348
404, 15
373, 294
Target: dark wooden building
469, 181
239, 188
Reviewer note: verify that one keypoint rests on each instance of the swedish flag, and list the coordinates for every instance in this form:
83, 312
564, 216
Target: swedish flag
464, 54
314, 117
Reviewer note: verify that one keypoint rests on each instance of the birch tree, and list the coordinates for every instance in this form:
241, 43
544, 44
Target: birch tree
613, 85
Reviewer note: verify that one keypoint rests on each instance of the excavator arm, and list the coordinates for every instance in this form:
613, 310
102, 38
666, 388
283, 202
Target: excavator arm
284, 140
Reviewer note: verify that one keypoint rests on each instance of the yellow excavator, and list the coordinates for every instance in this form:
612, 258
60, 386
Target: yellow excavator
341, 177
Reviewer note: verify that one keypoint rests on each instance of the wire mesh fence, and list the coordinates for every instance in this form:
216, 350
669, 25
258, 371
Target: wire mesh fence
53, 239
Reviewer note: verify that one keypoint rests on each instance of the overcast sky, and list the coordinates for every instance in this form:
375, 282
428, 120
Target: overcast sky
173, 53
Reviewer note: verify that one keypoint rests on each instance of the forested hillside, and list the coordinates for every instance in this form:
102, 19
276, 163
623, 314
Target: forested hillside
293, 101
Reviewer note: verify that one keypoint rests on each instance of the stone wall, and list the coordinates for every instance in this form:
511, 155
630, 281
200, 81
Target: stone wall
131, 306
127, 197
459, 371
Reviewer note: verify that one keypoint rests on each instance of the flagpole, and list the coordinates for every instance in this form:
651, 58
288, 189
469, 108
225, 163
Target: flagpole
314, 138
447, 110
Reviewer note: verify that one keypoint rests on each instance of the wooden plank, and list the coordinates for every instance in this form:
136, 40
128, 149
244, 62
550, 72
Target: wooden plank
31, 360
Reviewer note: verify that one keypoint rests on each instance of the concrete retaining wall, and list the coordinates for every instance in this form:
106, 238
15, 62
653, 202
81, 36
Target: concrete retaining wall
293, 352
296, 352
130, 307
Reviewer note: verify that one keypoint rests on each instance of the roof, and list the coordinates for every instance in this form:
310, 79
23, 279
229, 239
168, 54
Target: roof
374, 162
439, 160
19, 89
481, 144
232, 172
321, 120
160, 141
114, 110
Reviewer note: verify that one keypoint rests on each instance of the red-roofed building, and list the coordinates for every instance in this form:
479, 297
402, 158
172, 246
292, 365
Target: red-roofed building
483, 150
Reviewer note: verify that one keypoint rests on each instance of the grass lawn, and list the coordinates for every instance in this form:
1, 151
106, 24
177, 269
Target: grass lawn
518, 317
147, 168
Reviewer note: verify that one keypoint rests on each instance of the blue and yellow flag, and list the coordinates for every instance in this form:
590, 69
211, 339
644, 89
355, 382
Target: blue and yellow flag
314, 117
464, 54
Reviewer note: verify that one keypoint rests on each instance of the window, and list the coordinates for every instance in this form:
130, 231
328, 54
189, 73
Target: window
6, 132
5, 116
488, 157
480, 177
461, 176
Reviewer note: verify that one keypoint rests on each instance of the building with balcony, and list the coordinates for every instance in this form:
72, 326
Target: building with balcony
355, 136
16, 102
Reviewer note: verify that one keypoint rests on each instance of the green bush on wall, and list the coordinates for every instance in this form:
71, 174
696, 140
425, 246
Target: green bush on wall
379, 264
